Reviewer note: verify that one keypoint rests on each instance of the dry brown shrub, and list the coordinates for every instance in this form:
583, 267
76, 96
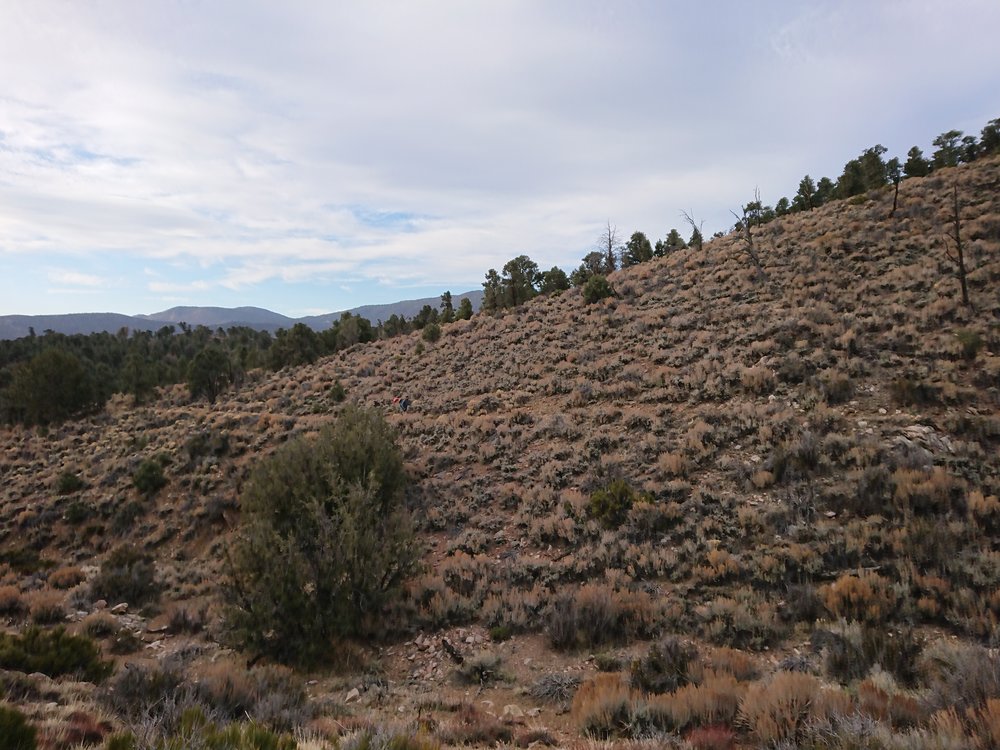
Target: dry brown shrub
719, 566
984, 510
598, 613
778, 710
901, 709
100, 624
715, 701
674, 464
867, 597
47, 607
741, 665
922, 491
715, 737
758, 380
831, 703
603, 706
66, 577
11, 600
985, 723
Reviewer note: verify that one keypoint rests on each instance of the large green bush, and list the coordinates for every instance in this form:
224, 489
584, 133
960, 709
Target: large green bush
15, 731
54, 385
53, 653
148, 477
325, 540
127, 575
597, 288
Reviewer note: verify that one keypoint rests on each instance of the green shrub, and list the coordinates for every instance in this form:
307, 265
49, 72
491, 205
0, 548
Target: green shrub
970, 341
148, 478
611, 504
431, 333
54, 653
126, 575
15, 731
597, 288
325, 541
500, 633
68, 483
597, 614
120, 741
194, 730
25, 560
337, 392
77, 512
911, 391
665, 667
481, 670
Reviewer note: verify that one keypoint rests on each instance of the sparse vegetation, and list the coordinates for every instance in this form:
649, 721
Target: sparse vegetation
802, 554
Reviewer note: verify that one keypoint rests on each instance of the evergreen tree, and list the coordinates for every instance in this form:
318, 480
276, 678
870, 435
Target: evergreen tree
492, 292
673, 242
826, 190
209, 373
592, 265
949, 149
916, 165
447, 310
637, 250
520, 277
464, 309
553, 280
54, 385
989, 139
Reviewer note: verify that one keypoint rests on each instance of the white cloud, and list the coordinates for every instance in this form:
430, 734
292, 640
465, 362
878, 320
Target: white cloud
75, 279
259, 143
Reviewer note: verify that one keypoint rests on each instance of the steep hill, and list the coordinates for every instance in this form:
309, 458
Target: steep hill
820, 442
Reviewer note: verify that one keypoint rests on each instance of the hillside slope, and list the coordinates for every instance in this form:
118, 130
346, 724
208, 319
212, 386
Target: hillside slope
822, 442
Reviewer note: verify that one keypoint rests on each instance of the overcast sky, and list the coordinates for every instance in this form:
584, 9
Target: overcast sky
314, 156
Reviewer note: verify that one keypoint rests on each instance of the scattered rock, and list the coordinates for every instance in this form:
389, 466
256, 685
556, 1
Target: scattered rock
352, 695
512, 711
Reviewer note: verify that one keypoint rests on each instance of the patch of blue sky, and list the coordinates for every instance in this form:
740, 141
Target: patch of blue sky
84, 154
400, 221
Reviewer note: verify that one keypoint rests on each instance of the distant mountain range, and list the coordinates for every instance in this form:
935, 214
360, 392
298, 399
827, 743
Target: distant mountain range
16, 326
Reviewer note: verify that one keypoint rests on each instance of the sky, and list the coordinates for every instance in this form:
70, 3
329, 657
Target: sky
310, 157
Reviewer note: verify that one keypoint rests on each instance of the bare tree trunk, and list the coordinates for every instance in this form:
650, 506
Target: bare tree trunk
607, 244
696, 233
747, 236
895, 197
958, 258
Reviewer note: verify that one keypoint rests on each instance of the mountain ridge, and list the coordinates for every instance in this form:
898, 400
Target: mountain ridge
259, 318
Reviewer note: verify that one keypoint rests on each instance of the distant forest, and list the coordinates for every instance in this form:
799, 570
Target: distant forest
52, 377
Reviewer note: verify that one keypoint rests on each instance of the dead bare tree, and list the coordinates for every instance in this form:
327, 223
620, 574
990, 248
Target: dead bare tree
696, 235
609, 246
895, 173
958, 257
745, 226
